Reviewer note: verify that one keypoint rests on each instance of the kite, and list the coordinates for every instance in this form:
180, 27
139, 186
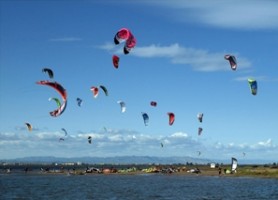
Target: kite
61, 139
161, 144
29, 126
200, 130
253, 86
125, 35
145, 118
200, 117
66, 133
48, 71
130, 43
123, 107
59, 88
153, 103
171, 118
95, 91
232, 61
56, 100
79, 101
104, 90
116, 60
90, 139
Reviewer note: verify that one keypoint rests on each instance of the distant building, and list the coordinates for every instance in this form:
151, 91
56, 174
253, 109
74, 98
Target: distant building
212, 165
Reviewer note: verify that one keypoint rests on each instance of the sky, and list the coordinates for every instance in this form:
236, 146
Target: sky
178, 61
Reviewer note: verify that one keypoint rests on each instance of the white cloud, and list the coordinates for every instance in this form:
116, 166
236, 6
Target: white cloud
107, 46
257, 146
170, 51
198, 59
261, 150
125, 142
235, 14
103, 144
179, 135
263, 144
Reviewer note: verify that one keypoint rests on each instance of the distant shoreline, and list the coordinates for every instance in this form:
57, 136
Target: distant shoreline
183, 170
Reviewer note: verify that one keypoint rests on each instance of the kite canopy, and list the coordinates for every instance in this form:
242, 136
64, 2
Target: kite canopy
56, 100
29, 126
123, 106
90, 139
59, 88
200, 117
115, 60
65, 131
48, 71
95, 91
232, 61
171, 118
153, 103
104, 90
125, 35
200, 130
121, 35
253, 86
145, 118
79, 101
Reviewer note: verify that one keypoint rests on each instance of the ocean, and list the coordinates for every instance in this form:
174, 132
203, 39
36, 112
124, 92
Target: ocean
141, 186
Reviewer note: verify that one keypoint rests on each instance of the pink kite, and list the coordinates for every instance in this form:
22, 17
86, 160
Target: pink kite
125, 35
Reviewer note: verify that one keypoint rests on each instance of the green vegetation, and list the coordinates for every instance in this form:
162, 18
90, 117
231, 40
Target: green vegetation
262, 170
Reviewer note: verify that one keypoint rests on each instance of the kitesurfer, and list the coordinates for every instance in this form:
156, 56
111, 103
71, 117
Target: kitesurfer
219, 171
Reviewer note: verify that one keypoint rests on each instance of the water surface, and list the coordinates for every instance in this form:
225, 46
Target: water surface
146, 186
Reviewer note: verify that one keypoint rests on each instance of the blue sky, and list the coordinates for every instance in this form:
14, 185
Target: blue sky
178, 61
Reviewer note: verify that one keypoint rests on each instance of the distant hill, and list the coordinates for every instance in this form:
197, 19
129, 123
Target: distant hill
131, 160
111, 160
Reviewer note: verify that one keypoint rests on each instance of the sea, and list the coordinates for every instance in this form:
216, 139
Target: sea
140, 186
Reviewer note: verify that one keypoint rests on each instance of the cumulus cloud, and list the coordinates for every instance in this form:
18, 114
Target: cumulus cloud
257, 146
114, 143
233, 14
124, 142
198, 59
260, 150
264, 144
